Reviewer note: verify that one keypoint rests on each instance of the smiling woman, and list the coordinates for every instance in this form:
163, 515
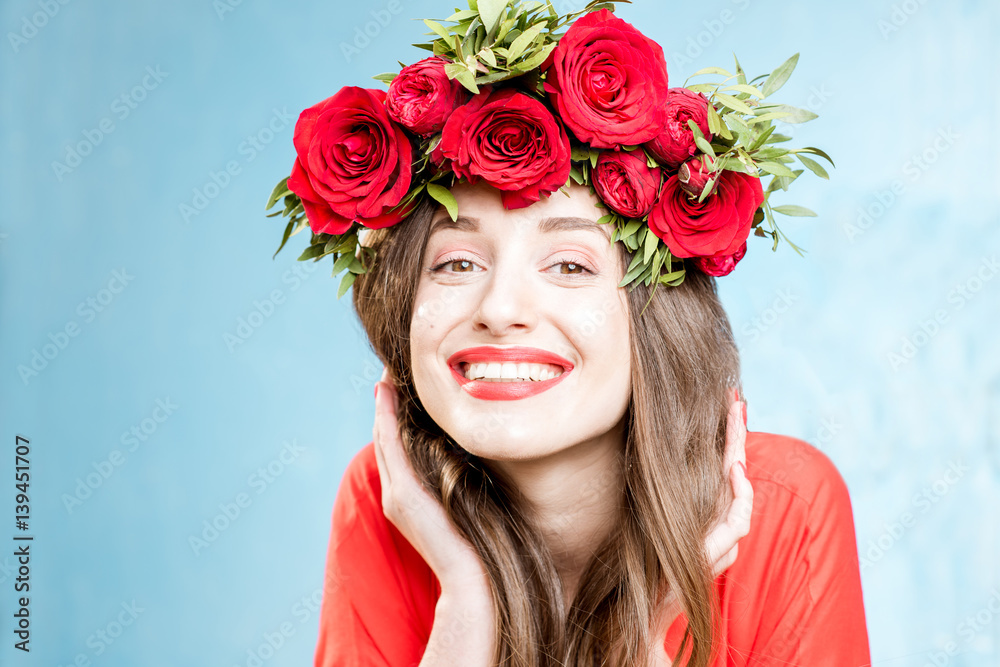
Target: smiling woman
588, 507
560, 471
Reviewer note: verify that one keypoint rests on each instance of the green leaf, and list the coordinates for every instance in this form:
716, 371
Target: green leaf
490, 12
492, 77
634, 272
762, 138
279, 191
733, 103
463, 15
649, 245
311, 252
710, 70
714, 122
705, 147
342, 262
284, 238
386, 77
345, 283
707, 88
769, 152
519, 45
631, 227
779, 76
439, 29
816, 151
745, 88
579, 153
764, 117
790, 209
461, 73
695, 130
813, 166
443, 196
674, 278
775, 168
534, 61
796, 115
741, 77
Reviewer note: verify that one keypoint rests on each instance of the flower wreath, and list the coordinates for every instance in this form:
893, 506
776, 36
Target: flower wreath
508, 99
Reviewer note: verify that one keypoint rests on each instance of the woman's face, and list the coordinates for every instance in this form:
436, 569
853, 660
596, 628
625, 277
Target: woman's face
531, 296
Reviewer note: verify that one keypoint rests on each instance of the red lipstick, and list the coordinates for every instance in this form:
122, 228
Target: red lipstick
506, 391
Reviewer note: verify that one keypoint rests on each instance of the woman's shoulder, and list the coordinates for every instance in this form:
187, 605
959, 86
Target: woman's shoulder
359, 495
788, 469
361, 473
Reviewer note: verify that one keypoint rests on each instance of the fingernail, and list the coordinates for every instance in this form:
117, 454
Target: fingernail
744, 414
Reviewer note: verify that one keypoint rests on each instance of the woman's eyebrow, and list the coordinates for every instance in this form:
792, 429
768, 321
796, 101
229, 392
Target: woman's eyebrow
462, 224
568, 223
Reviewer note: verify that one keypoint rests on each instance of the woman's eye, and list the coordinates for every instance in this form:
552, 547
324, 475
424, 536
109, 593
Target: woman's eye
456, 265
572, 267
459, 265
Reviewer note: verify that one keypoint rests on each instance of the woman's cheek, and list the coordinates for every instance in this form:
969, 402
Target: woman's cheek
436, 304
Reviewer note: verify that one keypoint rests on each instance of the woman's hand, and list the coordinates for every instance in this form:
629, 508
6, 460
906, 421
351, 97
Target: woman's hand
415, 513
723, 540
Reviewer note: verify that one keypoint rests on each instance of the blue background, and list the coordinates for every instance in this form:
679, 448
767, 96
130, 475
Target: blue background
906, 93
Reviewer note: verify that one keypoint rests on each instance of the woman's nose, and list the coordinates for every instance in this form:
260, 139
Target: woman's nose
508, 303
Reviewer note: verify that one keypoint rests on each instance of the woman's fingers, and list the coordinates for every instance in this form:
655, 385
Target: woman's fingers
723, 540
735, 525
735, 435
402, 492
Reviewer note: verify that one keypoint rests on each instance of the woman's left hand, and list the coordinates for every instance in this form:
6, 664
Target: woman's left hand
722, 542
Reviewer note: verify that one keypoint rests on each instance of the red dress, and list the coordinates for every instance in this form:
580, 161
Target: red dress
793, 596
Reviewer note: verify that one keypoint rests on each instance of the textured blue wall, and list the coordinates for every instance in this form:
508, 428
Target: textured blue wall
903, 253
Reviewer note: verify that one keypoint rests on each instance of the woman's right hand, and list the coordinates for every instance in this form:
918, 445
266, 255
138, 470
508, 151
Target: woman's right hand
415, 513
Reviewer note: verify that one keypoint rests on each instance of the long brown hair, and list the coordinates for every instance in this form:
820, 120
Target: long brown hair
684, 358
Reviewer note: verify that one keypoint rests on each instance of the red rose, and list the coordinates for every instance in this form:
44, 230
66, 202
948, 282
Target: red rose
352, 164
716, 226
608, 82
625, 183
421, 97
675, 143
721, 265
511, 141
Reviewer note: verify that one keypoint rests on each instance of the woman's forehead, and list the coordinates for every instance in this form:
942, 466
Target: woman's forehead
480, 208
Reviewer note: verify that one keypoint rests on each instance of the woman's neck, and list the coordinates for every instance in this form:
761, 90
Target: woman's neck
575, 497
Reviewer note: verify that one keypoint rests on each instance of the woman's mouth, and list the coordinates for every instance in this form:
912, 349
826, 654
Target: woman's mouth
507, 373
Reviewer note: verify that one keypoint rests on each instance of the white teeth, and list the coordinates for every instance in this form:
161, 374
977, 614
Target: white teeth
511, 372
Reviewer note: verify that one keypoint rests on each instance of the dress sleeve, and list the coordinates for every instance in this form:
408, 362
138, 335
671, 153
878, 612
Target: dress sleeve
812, 611
378, 594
